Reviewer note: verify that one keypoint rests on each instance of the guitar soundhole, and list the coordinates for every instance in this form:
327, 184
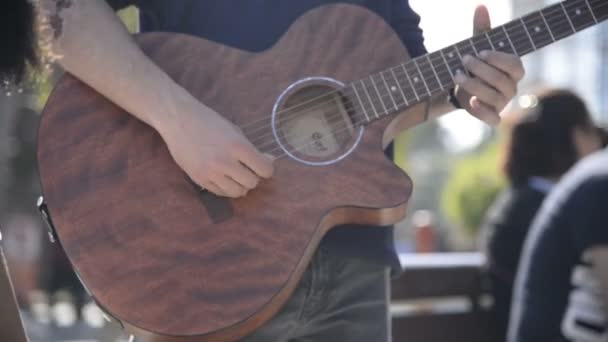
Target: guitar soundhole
313, 124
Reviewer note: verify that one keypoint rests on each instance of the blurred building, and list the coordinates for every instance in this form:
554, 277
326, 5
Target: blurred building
577, 62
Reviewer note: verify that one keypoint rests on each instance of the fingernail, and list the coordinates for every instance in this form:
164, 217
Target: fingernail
459, 77
467, 59
484, 54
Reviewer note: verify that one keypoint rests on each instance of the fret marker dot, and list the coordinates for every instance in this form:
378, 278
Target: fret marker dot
501, 44
578, 11
537, 29
416, 79
394, 89
451, 55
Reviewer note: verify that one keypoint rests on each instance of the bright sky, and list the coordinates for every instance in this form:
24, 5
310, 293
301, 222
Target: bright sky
446, 22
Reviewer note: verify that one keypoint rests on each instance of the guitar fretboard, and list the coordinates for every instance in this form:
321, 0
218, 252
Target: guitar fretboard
392, 90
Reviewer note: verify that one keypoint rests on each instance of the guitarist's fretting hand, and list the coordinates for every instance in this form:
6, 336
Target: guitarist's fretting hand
495, 81
214, 152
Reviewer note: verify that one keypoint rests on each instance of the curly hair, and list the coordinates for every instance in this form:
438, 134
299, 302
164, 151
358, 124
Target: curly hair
18, 37
541, 142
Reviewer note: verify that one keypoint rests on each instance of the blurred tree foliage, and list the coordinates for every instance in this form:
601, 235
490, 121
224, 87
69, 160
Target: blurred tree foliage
472, 187
44, 81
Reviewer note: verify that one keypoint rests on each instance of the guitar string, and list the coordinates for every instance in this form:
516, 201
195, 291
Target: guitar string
388, 97
296, 146
354, 124
424, 71
261, 144
354, 110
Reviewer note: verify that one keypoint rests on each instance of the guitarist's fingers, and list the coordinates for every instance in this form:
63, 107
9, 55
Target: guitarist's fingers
481, 20
483, 92
259, 163
481, 110
211, 187
230, 188
507, 63
243, 175
492, 76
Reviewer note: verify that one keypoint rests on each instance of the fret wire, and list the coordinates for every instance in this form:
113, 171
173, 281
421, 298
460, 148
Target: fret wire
434, 71
473, 45
370, 99
466, 72
520, 39
411, 83
448, 65
557, 22
537, 29
547, 24
510, 38
528, 33
580, 15
504, 28
591, 11
422, 76
357, 109
490, 40
371, 77
567, 16
359, 98
389, 90
482, 43
449, 69
408, 90
407, 103
443, 71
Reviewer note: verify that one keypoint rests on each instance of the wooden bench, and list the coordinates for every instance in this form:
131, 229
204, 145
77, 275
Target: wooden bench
441, 298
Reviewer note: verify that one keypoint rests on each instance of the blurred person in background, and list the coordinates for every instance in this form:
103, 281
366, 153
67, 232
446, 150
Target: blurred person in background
18, 39
604, 135
545, 141
561, 287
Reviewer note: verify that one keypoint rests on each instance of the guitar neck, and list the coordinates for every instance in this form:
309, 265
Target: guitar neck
395, 89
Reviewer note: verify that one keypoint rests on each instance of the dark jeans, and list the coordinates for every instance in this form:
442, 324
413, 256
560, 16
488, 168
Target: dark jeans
339, 299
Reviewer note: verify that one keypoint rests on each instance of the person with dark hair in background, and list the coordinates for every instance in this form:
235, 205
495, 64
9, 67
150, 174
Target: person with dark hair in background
544, 143
18, 39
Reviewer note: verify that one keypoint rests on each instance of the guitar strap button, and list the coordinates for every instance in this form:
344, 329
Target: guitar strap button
46, 216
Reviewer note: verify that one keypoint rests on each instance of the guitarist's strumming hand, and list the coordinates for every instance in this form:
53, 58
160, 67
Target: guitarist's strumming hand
494, 77
213, 151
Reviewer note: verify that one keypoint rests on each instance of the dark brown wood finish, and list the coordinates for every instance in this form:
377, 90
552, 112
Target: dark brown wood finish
135, 229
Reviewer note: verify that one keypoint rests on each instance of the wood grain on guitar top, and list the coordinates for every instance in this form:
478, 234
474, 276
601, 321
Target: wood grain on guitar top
135, 229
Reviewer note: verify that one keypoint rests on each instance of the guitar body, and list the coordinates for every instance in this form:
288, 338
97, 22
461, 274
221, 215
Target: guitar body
150, 247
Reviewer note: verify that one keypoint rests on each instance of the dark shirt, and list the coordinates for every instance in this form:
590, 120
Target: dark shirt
554, 273
506, 226
255, 25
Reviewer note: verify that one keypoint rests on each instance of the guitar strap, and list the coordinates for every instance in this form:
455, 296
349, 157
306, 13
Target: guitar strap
11, 326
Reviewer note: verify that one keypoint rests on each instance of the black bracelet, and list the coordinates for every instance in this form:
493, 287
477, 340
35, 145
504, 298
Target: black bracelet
453, 99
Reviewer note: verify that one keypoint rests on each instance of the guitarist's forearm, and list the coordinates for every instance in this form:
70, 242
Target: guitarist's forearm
96, 48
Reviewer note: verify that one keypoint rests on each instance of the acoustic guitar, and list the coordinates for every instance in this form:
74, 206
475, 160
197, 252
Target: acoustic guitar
175, 263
